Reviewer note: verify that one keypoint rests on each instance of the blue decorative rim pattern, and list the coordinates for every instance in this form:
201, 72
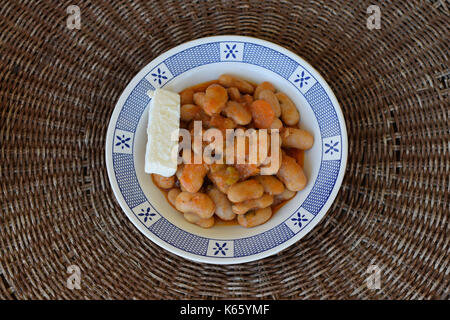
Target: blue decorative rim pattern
332, 139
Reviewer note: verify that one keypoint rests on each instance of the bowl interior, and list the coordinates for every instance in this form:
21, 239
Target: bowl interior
255, 74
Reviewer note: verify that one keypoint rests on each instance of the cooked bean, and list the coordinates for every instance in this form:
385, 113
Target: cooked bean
189, 111
289, 113
187, 96
228, 81
271, 184
263, 202
222, 123
272, 163
263, 86
247, 170
291, 174
284, 196
238, 113
297, 154
245, 190
297, 138
247, 100
216, 97
262, 114
199, 98
172, 195
255, 218
223, 205
179, 171
163, 182
276, 124
201, 87
195, 219
197, 203
203, 117
234, 94
270, 97
192, 176
200, 116
223, 176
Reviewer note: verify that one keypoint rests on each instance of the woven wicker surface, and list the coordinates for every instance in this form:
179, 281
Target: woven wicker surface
59, 87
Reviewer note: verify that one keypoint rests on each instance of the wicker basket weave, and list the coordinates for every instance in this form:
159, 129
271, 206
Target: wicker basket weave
58, 89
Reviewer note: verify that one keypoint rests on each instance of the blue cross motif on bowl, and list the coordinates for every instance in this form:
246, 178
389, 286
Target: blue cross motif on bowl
299, 219
302, 79
230, 51
123, 142
159, 75
331, 147
146, 214
220, 248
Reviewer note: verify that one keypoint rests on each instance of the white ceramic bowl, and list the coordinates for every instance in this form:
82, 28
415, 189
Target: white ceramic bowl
199, 61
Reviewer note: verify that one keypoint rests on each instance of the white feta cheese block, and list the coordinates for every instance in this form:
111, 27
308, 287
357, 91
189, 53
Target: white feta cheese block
163, 124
